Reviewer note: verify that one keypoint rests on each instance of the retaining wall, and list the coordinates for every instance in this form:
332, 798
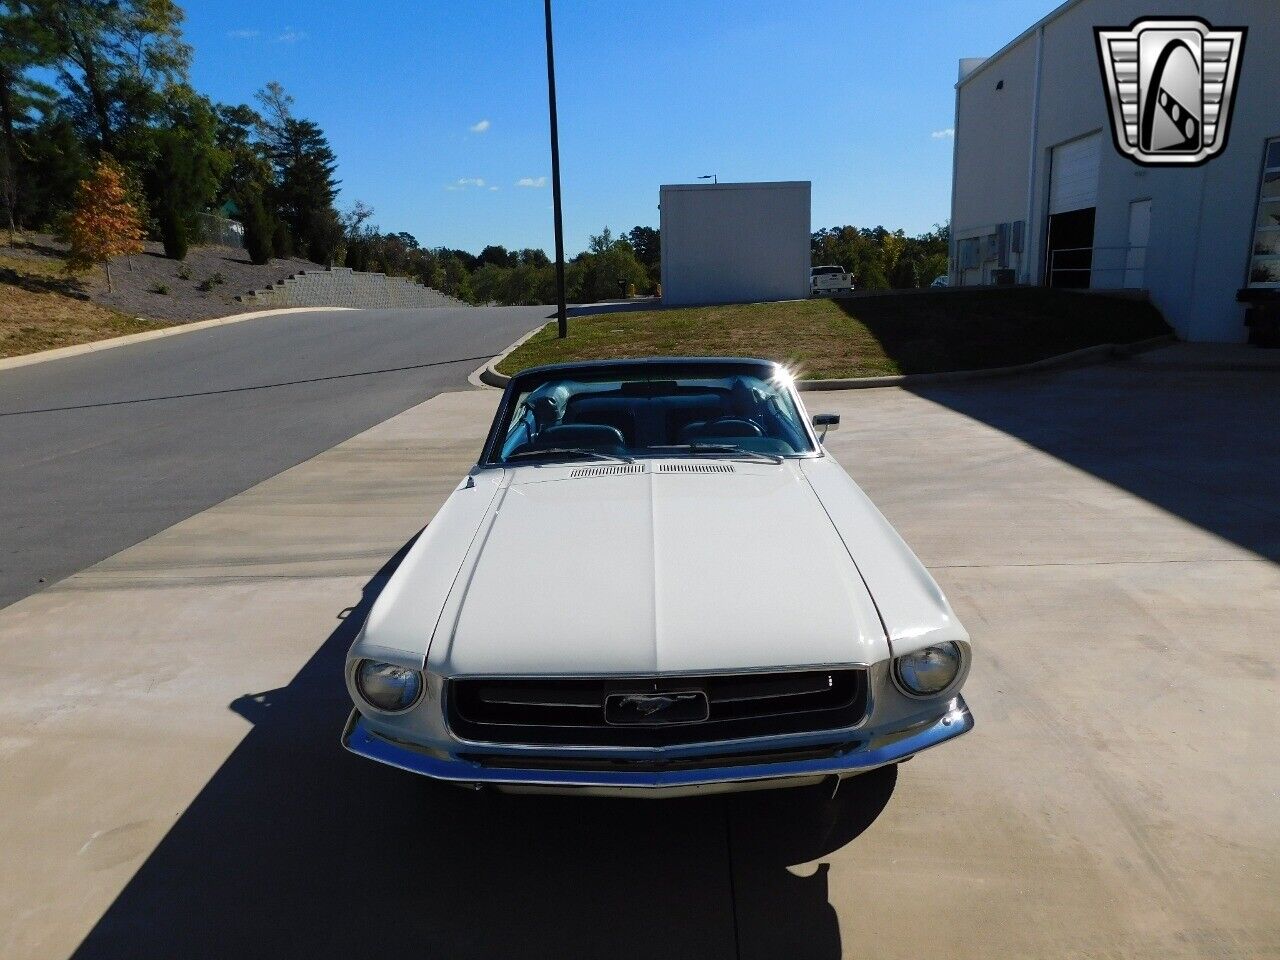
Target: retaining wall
344, 287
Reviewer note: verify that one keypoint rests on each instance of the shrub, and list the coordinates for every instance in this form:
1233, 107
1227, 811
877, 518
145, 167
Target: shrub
281, 241
258, 230
184, 272
324, 236
208, 283
173, 233
160, 288
905, 275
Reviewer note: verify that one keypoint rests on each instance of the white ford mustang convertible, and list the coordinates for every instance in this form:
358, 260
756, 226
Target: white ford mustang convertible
656, 582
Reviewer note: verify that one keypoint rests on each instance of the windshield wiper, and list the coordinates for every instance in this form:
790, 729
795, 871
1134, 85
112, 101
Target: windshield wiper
568, 452
737, 452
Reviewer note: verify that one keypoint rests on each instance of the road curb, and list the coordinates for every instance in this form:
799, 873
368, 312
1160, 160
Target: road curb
9, 363
1076, 358
488, 374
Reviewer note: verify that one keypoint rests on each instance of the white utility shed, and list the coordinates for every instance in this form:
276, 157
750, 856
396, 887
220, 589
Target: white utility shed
735, 242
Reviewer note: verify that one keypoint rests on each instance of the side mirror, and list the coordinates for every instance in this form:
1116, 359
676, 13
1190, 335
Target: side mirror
825, 422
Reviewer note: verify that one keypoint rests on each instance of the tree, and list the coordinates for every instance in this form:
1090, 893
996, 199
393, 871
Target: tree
173, 233
281, 240
324, 236
115, 57
355, 219
249, 169
457, 280
258, 227
105, 224
647, 244
498, 256
186, 167
25, 44
52, 163
607, 267
304, 164
905, 275
601, 242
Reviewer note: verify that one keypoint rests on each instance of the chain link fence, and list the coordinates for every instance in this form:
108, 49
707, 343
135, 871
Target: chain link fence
220, 231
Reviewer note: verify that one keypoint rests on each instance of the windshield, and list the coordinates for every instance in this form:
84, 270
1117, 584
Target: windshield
734, 414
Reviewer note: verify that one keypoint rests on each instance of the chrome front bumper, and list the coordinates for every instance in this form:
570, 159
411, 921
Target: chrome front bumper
881, 750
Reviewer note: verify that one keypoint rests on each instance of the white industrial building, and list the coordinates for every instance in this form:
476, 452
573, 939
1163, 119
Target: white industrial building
734, 242
1044, 195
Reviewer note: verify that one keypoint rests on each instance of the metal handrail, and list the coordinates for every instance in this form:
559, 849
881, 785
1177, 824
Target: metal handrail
1093, 268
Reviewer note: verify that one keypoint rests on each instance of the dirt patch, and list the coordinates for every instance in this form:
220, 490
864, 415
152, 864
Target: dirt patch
40, 311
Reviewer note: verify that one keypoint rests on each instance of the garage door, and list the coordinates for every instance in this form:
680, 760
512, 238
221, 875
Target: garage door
1073, 182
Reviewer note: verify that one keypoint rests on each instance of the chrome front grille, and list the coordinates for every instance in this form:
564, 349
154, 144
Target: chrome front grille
572, 711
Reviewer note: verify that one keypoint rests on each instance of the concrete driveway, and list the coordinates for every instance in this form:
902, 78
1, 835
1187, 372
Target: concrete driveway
171, 783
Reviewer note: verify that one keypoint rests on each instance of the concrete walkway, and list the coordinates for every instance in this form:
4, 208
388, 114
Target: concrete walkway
171, 783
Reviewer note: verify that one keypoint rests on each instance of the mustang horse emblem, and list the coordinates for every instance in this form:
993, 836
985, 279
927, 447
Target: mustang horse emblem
652, 708
1171, 84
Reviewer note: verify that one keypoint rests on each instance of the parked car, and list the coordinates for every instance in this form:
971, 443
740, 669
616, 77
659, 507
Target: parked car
828, 280
656, 581
941, 281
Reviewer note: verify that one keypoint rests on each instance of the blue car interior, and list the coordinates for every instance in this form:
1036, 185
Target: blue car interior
631, 417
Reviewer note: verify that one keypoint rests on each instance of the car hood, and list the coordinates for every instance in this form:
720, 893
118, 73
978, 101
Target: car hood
655, 572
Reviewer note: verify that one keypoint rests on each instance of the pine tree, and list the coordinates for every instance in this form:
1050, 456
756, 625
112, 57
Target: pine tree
105, 224
258, 227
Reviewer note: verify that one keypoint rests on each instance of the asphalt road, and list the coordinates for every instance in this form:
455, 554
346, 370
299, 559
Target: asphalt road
100, 451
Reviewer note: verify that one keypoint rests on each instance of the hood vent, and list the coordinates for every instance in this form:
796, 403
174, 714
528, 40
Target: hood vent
606, 470
696, 468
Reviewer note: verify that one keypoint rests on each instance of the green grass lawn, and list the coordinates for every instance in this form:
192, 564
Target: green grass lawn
926, 332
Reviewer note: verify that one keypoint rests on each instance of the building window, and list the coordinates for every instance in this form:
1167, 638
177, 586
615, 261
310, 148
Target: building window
1264, 263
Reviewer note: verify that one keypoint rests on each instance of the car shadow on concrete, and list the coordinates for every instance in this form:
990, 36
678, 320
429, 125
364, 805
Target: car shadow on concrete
1200, 444
296, 848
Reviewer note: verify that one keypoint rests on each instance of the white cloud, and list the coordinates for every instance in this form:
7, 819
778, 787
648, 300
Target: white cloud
946, 134
480, 127
493, 189
531, 182
463, 182
244, 34
291, 35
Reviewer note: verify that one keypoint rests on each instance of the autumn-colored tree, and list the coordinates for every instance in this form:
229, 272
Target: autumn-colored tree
105, 224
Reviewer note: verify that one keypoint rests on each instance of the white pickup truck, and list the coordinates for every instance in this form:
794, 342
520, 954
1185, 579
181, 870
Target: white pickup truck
828, 280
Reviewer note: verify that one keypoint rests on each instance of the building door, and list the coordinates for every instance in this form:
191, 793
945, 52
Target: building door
1135, 257
1069, 249
1073, 197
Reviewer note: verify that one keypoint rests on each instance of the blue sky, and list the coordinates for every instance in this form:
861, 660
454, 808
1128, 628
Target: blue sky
437, 110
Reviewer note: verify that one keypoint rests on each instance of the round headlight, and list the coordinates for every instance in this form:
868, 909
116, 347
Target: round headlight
930, 670
388, 687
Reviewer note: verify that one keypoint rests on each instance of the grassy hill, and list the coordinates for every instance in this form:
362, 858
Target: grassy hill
916, 332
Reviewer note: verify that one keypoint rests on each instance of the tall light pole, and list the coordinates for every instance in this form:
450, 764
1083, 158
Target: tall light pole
562, 314
714, 178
